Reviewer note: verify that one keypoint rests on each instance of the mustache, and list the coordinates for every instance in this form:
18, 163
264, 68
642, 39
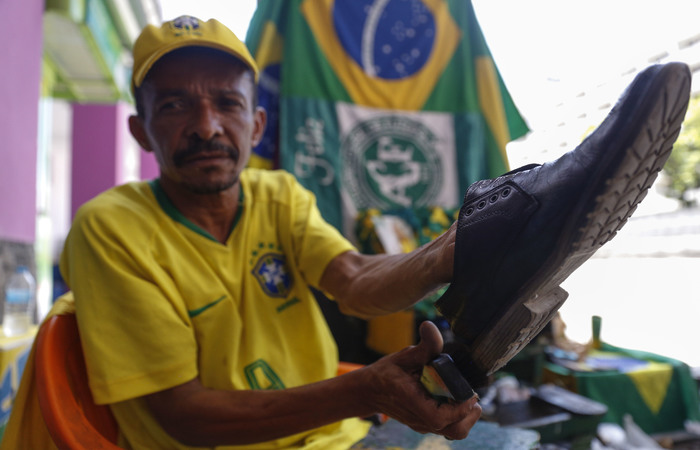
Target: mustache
196, 148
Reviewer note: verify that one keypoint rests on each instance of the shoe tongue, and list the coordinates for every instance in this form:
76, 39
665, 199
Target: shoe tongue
479, 187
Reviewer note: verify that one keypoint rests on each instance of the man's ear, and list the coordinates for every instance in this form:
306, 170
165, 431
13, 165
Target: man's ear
139, 133
260, 118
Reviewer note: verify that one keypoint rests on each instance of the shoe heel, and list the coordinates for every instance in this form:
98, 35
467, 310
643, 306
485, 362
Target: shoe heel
516, 329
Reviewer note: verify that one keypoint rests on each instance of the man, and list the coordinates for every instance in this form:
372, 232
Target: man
191, 291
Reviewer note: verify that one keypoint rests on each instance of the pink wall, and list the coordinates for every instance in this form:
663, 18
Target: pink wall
99, 140
19, 97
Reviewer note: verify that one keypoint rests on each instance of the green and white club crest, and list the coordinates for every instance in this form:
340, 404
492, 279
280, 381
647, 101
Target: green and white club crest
391, 162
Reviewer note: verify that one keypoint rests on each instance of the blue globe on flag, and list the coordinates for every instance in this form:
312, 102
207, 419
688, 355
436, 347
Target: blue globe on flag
389, 39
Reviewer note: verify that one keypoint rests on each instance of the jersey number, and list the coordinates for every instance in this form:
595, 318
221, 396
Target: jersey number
261, 376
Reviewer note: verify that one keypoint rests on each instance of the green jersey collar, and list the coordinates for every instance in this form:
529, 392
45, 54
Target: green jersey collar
177, 216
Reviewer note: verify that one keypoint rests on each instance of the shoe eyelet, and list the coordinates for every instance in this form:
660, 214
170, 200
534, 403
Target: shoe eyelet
469, 211
494, 198
481, 204
506, 192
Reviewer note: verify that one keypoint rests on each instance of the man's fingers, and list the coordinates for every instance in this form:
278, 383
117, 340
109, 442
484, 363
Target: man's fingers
460, 429
430, 340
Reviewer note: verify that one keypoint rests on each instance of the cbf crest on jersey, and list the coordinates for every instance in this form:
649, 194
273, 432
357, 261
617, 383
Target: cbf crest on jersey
271, 272
380, 104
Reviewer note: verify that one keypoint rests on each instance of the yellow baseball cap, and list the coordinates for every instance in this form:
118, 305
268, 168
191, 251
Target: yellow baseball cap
185, 31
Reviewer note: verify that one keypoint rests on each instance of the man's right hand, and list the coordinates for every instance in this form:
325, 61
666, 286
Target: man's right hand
395, 390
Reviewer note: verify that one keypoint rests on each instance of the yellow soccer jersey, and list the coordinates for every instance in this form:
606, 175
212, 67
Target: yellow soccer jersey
159, 301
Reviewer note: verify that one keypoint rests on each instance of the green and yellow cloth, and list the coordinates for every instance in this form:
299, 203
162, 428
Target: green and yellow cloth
658, 392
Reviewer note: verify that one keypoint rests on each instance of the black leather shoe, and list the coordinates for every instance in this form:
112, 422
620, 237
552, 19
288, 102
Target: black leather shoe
521, 235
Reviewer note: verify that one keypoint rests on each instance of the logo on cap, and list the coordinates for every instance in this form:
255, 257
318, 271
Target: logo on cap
185, 24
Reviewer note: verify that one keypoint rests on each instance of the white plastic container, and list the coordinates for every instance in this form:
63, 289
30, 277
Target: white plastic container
20, 294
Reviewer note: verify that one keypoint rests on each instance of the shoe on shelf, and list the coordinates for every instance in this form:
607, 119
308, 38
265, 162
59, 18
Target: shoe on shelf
519, 236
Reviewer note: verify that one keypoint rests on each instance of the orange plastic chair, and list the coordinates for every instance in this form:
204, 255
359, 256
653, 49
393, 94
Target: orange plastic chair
345, 367
71, 415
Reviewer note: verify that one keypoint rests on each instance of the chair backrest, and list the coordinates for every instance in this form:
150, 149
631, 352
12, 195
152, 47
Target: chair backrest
71, 415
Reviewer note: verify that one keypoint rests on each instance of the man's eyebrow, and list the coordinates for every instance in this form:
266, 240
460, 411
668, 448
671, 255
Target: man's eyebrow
231, 91
164, 93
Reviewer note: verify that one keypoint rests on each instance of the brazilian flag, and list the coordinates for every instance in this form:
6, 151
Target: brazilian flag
382, 104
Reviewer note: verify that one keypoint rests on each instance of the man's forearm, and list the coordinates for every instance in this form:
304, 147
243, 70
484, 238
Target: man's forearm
372, 285
197, 416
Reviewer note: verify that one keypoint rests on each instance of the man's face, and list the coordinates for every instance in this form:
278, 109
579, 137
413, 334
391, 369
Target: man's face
199, 119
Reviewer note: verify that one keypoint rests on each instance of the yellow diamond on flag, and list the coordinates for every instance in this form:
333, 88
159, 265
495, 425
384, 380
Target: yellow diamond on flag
652, 383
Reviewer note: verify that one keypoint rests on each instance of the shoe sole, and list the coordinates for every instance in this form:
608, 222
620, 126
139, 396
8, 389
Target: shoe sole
650, 145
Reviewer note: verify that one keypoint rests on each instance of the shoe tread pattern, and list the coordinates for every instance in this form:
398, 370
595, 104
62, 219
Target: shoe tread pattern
633, 179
